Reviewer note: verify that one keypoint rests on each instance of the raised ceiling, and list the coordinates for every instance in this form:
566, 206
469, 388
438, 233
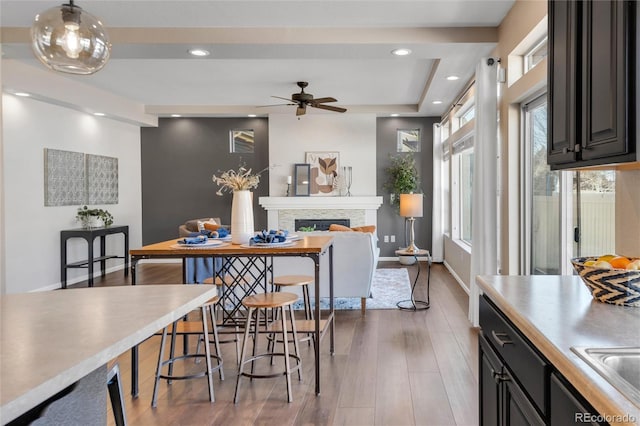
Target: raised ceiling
261, 48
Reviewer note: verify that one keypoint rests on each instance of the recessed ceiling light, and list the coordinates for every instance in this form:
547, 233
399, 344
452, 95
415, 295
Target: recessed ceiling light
394, 115
251, 115
199, 52
452, 77
401, 52
22, 94
436, 102
176, 115
99, 114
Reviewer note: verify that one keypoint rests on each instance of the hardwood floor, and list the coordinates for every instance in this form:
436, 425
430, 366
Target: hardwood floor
391, 367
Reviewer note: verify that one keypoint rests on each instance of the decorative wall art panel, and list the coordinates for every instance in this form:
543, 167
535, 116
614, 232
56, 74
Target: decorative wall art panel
64, 178
74, 178
324, 171
102, 179
408, 140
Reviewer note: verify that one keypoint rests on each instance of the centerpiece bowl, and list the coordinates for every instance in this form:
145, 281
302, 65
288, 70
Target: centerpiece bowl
614, 286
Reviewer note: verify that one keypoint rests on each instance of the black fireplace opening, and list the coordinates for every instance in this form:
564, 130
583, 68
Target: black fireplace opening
319, 224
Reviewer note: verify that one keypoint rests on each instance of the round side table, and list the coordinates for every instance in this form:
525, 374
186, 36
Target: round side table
413, 304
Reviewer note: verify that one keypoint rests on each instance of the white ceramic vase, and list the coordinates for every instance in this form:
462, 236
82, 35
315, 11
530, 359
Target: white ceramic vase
242, 217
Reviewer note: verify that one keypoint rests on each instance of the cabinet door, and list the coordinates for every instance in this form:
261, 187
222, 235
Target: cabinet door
562, 72
518, 409
566, 405
490, 366
605, 65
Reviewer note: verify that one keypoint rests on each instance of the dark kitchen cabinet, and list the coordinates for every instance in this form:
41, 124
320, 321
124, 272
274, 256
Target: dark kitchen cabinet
592, 83
502, 401
567, 407
517, 384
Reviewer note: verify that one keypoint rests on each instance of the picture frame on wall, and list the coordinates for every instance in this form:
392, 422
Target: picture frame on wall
324, 167
408, 140
302, 173
241, 141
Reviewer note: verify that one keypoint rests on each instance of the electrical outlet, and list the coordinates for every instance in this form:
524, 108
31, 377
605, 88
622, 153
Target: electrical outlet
393, 238
386, 239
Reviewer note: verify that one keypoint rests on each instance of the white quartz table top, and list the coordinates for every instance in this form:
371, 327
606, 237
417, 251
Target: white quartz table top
50, 340
556, 313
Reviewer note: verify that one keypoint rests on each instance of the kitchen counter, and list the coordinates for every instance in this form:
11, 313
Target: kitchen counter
50, 340
558, 312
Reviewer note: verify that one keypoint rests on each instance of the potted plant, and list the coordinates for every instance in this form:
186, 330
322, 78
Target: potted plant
402, 177
90, 218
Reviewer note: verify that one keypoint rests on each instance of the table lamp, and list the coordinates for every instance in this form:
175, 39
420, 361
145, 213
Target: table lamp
411, 207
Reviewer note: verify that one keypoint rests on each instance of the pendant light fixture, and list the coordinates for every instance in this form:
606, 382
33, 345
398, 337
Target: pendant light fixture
68, 39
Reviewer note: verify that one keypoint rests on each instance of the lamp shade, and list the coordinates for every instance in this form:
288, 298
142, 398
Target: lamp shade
68, 39
411, 205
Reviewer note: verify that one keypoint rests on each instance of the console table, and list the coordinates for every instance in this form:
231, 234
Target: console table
89, 235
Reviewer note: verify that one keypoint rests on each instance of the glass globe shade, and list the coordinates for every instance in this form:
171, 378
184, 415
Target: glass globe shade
68, 39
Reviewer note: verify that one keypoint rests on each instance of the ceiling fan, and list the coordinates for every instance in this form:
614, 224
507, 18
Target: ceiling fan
302, 99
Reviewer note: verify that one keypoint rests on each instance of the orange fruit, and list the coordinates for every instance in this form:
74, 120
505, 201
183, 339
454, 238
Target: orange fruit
606, 257
619, 262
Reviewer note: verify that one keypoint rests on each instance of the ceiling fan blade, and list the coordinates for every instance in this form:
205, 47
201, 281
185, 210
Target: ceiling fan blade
285, 99
323, 100
301, 110
330, 108
273, 105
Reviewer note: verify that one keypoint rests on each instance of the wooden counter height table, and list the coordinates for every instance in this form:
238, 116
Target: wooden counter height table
257, 262
51, 340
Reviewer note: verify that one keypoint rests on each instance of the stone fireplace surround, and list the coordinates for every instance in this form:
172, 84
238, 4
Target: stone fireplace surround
282, 211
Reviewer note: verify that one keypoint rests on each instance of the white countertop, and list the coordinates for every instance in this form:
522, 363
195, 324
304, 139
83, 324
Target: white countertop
558, 312
49, 340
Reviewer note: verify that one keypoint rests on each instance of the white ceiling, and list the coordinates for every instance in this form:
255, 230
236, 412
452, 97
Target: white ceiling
261, 48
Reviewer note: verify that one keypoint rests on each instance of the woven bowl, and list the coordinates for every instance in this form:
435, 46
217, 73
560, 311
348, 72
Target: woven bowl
615, 286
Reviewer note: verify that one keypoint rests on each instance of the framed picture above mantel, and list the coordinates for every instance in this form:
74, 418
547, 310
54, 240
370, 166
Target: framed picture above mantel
324, 166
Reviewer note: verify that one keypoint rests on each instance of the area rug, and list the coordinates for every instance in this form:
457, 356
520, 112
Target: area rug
389, 286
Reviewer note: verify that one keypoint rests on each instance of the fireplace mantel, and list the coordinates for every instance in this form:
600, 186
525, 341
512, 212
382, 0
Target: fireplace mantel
281, 211
330, 203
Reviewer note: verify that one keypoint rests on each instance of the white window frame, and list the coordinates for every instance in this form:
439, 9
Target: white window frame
528, 55
463, 144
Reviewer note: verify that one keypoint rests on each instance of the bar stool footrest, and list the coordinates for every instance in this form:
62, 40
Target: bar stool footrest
217, 367
272, 375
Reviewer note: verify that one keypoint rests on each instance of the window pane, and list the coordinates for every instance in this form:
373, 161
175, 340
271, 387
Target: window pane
545, 213
466, 184
467, 116
597, 213
535, 55
446, 200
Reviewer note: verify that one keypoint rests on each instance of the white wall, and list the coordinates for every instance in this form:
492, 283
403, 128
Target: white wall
352, 135
32, 231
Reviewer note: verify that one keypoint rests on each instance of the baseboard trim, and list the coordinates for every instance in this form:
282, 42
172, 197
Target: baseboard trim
456, 277
97, 273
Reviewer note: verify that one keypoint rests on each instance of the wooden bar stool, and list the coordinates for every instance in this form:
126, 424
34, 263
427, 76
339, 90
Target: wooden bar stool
303, 281
186, 328
269, 301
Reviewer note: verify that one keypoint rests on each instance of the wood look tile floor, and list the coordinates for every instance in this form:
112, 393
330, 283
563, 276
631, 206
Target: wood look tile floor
391, 367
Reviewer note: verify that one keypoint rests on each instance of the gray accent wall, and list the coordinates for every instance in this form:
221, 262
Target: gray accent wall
179, 158
389, 220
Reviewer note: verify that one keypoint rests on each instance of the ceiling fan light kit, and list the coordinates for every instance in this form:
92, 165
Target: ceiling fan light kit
67, 39
302, 100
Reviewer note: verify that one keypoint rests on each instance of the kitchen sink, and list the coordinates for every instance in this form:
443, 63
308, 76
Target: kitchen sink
619, 366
